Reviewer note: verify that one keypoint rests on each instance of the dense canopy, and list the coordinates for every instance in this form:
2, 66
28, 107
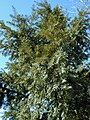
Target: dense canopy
48, 76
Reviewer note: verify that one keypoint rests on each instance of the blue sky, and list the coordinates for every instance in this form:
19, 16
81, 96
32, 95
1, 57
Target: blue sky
24, 7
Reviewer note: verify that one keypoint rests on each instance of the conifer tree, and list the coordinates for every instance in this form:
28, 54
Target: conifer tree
47, 78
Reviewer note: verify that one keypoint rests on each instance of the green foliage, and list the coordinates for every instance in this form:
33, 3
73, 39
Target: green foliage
47, 76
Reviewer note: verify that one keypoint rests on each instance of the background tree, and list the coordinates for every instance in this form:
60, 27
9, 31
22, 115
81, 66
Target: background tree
47, 76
